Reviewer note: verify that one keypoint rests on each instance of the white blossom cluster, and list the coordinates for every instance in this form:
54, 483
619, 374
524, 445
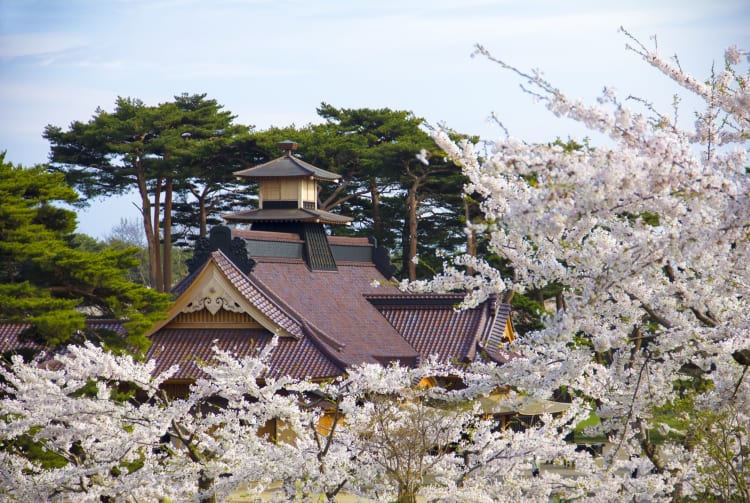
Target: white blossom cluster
649, 237
389, 436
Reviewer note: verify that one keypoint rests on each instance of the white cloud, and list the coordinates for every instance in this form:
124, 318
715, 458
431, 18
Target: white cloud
37, 44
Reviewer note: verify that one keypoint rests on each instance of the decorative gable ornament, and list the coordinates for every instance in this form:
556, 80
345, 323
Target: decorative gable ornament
213, 298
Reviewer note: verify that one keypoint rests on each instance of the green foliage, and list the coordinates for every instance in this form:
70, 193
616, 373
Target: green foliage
528, 313
118, 393
579, 431
179, 156
205, 147
88, 390
647, 217
134, 465
50, 284
34, 451
572, 145
719, 434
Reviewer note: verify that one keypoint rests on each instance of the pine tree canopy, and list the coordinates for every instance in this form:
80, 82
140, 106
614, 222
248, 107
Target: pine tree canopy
52, 285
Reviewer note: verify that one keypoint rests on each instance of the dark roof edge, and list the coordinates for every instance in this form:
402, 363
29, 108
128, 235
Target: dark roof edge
407, 299
324, 343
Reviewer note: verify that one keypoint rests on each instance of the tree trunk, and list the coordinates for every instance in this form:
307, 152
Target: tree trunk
559, 302
203, 217
167, 260
407, 494
158, 279
202, 197
152, 240
411, 245
471, 236
205, 486
377, 217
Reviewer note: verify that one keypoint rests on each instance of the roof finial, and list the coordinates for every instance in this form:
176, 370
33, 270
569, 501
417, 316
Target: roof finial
288, 146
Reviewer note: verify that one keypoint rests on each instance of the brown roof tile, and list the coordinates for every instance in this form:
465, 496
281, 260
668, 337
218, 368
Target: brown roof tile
9, 333
333, 303
186, 347
432, 325
107, 324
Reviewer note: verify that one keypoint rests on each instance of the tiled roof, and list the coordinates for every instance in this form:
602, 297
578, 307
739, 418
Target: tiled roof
186, 347
432, 325
259, 296
107, 324
333, 303
495, 342
10, 333
317, 250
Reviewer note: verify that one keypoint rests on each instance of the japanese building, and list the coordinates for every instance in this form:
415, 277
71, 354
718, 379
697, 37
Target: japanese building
329, 299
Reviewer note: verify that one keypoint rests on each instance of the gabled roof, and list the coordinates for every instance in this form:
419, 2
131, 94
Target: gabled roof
304, 349
221, 285
287, 166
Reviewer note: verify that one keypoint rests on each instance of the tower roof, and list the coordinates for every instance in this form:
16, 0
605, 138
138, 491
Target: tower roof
288, 194
287, 166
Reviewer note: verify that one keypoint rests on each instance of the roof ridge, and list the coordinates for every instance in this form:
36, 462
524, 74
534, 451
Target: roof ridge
246, 278
250, 234
307, 328
321, 341
412, 295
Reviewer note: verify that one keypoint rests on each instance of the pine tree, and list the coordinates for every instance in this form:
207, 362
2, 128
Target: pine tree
48, 283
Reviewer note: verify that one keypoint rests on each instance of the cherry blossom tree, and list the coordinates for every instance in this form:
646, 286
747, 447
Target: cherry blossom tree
68, 428
649, 233
93, 426
391, 437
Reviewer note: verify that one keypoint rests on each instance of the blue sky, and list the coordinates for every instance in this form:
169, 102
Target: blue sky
273, 62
